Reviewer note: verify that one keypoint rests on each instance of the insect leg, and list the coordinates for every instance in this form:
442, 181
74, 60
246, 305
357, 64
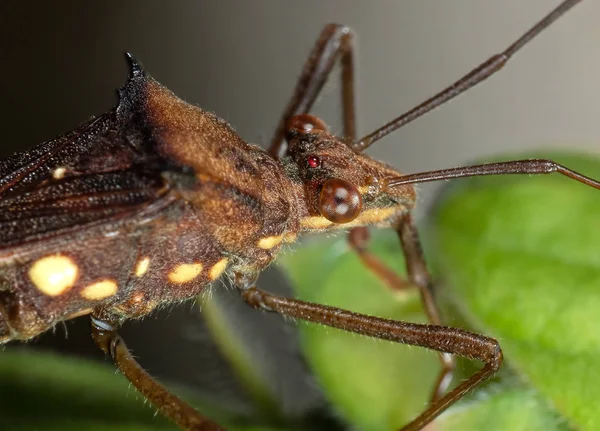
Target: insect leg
335, 41
104, 333
359, 238
418, 275
441, 338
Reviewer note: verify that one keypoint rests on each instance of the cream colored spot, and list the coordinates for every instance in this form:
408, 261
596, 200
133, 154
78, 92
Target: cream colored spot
218, 268
185, 272
59, 173
290, 237
375, 215
315, 222
367, 217
270, 242
142, 266
53, 275
99, 290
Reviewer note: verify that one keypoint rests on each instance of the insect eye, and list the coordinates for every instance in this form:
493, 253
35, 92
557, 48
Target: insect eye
340, 201
306, 123
313, 161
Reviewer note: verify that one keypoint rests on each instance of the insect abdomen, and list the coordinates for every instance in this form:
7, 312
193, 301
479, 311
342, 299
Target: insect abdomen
127, 272
62, 278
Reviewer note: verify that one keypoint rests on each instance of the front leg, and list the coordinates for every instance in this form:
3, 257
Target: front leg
441, 338
417, 276
104, 333
335, 42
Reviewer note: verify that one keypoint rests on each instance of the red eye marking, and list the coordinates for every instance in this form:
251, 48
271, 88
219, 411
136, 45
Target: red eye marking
313, 161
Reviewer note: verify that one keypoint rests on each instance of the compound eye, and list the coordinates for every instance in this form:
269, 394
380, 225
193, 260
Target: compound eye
306, 123
340, 201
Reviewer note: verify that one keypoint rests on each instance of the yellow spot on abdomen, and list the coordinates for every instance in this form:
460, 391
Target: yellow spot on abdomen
290, 237
99, 290
185, 272
218, 268
269, 242
54, 275
142, 266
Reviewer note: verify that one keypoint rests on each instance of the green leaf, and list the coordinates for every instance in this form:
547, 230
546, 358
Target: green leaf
376, 385
380, 386
40, 391
520, 258
43, 392
508, 408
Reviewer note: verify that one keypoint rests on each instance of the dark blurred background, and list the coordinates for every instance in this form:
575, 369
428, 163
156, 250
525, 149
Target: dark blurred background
61, 61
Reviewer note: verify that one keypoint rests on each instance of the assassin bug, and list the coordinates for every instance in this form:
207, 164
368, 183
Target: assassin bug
153, 201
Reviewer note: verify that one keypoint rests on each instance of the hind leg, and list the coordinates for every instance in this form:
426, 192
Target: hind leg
104, 333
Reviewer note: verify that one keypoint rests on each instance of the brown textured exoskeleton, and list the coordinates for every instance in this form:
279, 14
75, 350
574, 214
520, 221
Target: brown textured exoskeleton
153, 201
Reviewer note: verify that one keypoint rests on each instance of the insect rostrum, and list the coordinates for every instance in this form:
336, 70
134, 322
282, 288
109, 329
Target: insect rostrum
153, 201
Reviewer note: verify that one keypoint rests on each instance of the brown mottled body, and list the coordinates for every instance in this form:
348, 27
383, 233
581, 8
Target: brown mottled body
159, 198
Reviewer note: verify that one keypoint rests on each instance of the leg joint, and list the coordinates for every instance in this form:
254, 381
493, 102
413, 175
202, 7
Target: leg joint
255, 298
